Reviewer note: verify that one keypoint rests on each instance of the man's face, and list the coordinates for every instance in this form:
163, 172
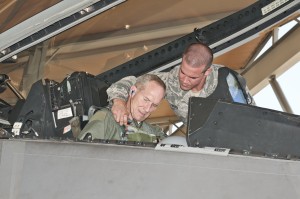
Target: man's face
145, 101
190, 77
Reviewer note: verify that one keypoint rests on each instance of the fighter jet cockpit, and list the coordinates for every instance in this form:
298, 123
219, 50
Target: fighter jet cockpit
59, 58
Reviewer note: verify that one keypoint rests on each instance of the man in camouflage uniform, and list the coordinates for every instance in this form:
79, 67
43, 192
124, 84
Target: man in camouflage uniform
196, 76
143, 98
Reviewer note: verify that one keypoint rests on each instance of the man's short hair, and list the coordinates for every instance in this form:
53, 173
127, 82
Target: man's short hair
142, 80
198, 54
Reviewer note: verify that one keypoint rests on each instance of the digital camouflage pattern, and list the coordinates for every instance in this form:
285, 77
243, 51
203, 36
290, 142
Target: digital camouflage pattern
177, 98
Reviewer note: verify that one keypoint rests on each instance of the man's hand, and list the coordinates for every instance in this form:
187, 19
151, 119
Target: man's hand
120, 112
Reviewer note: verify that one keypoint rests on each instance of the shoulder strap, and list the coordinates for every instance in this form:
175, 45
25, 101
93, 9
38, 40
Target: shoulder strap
222, 90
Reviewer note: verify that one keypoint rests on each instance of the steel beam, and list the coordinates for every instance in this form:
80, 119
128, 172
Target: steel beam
280, 95
280, 57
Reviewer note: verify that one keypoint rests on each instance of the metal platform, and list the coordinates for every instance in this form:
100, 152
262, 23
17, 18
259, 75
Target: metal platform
52, 169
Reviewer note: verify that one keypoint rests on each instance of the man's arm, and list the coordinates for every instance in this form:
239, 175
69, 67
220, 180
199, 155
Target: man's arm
120, 89
118, 94
95, 126
117, 97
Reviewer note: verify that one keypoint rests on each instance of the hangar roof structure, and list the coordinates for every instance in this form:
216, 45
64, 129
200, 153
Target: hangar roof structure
108, 33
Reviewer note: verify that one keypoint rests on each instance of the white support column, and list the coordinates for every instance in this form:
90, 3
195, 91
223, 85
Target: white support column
280, 95
34, 70
275, 35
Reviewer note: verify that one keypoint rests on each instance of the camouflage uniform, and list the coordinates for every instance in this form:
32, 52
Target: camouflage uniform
102, 125
177, 98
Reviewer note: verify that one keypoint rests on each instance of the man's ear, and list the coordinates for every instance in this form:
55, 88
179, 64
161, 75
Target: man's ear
132, 90
208, 71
